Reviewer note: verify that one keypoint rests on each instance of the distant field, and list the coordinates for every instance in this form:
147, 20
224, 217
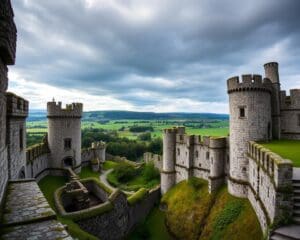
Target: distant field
289, 149
201, 127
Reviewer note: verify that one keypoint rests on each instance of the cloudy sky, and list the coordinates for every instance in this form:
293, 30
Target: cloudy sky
150, 55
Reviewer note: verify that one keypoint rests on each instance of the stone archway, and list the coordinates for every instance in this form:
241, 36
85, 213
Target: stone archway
67, 162
21, 174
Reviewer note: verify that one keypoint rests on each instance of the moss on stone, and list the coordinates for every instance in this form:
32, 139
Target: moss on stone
137, 196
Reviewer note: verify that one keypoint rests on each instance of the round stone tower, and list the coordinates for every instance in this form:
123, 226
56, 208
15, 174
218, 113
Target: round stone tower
168, 173
272, 73
64, 135
250, 119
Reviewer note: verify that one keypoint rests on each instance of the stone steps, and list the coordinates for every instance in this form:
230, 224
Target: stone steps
291, 232
296, 205
296, 213
280, 237
297, 220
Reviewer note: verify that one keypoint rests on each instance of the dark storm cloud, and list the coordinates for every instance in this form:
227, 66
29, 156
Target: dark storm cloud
144, 51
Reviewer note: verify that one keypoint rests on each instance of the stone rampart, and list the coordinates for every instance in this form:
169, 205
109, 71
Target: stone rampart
270, 184
156, 159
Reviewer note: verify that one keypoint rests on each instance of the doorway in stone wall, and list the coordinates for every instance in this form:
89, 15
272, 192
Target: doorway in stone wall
21, 173
68, 162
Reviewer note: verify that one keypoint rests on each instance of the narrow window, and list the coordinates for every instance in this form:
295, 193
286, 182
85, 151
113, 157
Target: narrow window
196, 154
178, 151
242, 112
181, 137
68, 143
298, 119
207, 155
21, 138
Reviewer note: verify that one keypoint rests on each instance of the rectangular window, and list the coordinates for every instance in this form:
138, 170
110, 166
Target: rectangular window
21, 136
298, 119
207, 155
68, 143
242, 112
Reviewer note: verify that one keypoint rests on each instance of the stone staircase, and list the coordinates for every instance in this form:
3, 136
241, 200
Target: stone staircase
296, 213
291, 232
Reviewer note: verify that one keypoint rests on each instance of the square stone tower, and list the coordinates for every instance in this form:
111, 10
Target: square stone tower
64, 135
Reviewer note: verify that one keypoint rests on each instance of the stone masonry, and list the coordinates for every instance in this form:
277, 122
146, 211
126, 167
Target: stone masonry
259, 111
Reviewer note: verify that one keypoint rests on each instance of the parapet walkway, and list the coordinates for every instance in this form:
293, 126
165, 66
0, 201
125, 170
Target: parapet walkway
27, 214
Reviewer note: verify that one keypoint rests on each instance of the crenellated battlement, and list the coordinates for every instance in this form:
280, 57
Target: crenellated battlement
271, 64
249, 82
35, 151
174, 130
98, 145
73, 110
217, 142
270, 162
291, 101
16, 106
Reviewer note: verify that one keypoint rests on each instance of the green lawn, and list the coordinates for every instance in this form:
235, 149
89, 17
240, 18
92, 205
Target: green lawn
48, 186
109, 165
153, 228
289, 149
87, 172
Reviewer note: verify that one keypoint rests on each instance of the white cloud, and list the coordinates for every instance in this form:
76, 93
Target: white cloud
39, 94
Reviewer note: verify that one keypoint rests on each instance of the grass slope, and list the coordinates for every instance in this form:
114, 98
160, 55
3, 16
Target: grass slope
289, 149
194, 214
153, 228
188, 204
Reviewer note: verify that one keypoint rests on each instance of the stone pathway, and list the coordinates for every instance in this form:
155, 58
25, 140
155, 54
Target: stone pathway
51, 229
25, 203
103, 179
28, 215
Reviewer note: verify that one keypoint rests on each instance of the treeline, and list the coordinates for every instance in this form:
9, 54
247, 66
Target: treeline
139, 129
131, 149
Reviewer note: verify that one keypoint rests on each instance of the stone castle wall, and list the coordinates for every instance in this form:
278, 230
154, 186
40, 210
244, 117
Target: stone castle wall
156, 159
193, 156
8, 38
270, 181
3, 146
120, 221
96, 151
290, 114
17, 111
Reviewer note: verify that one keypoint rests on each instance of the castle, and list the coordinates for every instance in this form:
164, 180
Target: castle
259, 111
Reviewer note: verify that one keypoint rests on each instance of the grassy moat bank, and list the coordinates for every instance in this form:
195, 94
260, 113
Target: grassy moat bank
153, 228
195, 214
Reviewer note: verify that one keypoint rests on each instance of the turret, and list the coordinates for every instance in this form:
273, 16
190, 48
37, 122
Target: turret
250, 119
64, 135
168, 171
17, 111
271, 72
217, 154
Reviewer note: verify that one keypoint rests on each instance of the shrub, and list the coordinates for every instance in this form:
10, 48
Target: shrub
124, 172
150, 172
145, 136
